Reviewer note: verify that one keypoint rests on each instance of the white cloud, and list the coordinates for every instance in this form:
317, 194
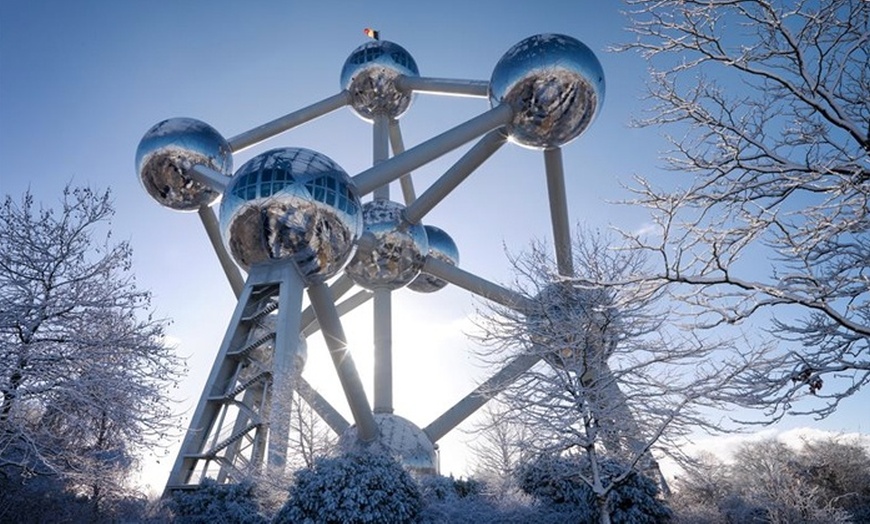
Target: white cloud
647, 228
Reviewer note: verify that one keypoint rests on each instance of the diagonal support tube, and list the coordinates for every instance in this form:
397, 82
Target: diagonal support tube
444, 86
386, 172
310, 325
212, 229
333, 334
288, 121
322, 407
442, 187
342, 285
398, 146
559, 211
208, 177
478, 286
480, 396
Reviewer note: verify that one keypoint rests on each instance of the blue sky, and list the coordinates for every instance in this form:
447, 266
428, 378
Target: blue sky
81, 82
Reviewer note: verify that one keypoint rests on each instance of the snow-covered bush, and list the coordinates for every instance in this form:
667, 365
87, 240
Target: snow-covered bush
30, 499
470, 501
458, 501
437, 488
560, 484
214, 503
549, 480
484, 510
825, 481
352, 488
470, 510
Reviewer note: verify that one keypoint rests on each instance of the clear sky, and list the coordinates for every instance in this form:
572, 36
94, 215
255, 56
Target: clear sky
81, 82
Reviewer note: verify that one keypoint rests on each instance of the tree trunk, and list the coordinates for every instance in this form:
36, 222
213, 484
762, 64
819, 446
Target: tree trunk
9, 395
603, 510
95, 503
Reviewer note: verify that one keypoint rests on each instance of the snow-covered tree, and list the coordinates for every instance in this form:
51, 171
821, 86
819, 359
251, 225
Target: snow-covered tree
824, 481
768, 477
310, 437
616, 380
84, 371
556, 481
468, 501
767, 105
497, 448
355, 487
213, 503
840, 468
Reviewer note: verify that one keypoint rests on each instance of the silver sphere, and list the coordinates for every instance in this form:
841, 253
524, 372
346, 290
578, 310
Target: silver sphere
369, 75
576, 325
398, 438
555, 86
398, 248
292, 204
166, 153
442, 247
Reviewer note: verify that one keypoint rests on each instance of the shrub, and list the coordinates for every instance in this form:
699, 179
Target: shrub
557, 484
352, 488
214, 503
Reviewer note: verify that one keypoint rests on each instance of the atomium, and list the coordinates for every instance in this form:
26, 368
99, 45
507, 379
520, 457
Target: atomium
169, 150
398, 250
555, 86
370, 75
292, 203
293, 219
442, 247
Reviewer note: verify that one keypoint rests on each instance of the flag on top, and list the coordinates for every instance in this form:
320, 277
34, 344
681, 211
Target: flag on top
371, 33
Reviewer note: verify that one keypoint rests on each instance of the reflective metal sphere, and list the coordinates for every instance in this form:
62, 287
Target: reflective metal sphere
398, 438
555, 86
369, 75
292, 204
169, 149
442, 247
399, 249
573, 322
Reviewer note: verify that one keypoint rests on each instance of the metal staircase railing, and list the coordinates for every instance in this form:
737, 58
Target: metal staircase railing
243, 352
212, 453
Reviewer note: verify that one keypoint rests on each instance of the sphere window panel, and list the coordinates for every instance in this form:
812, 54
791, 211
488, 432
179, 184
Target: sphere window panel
365, 55
403, 59
333, 193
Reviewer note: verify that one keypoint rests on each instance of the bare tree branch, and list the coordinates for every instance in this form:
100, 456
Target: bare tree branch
768, 108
